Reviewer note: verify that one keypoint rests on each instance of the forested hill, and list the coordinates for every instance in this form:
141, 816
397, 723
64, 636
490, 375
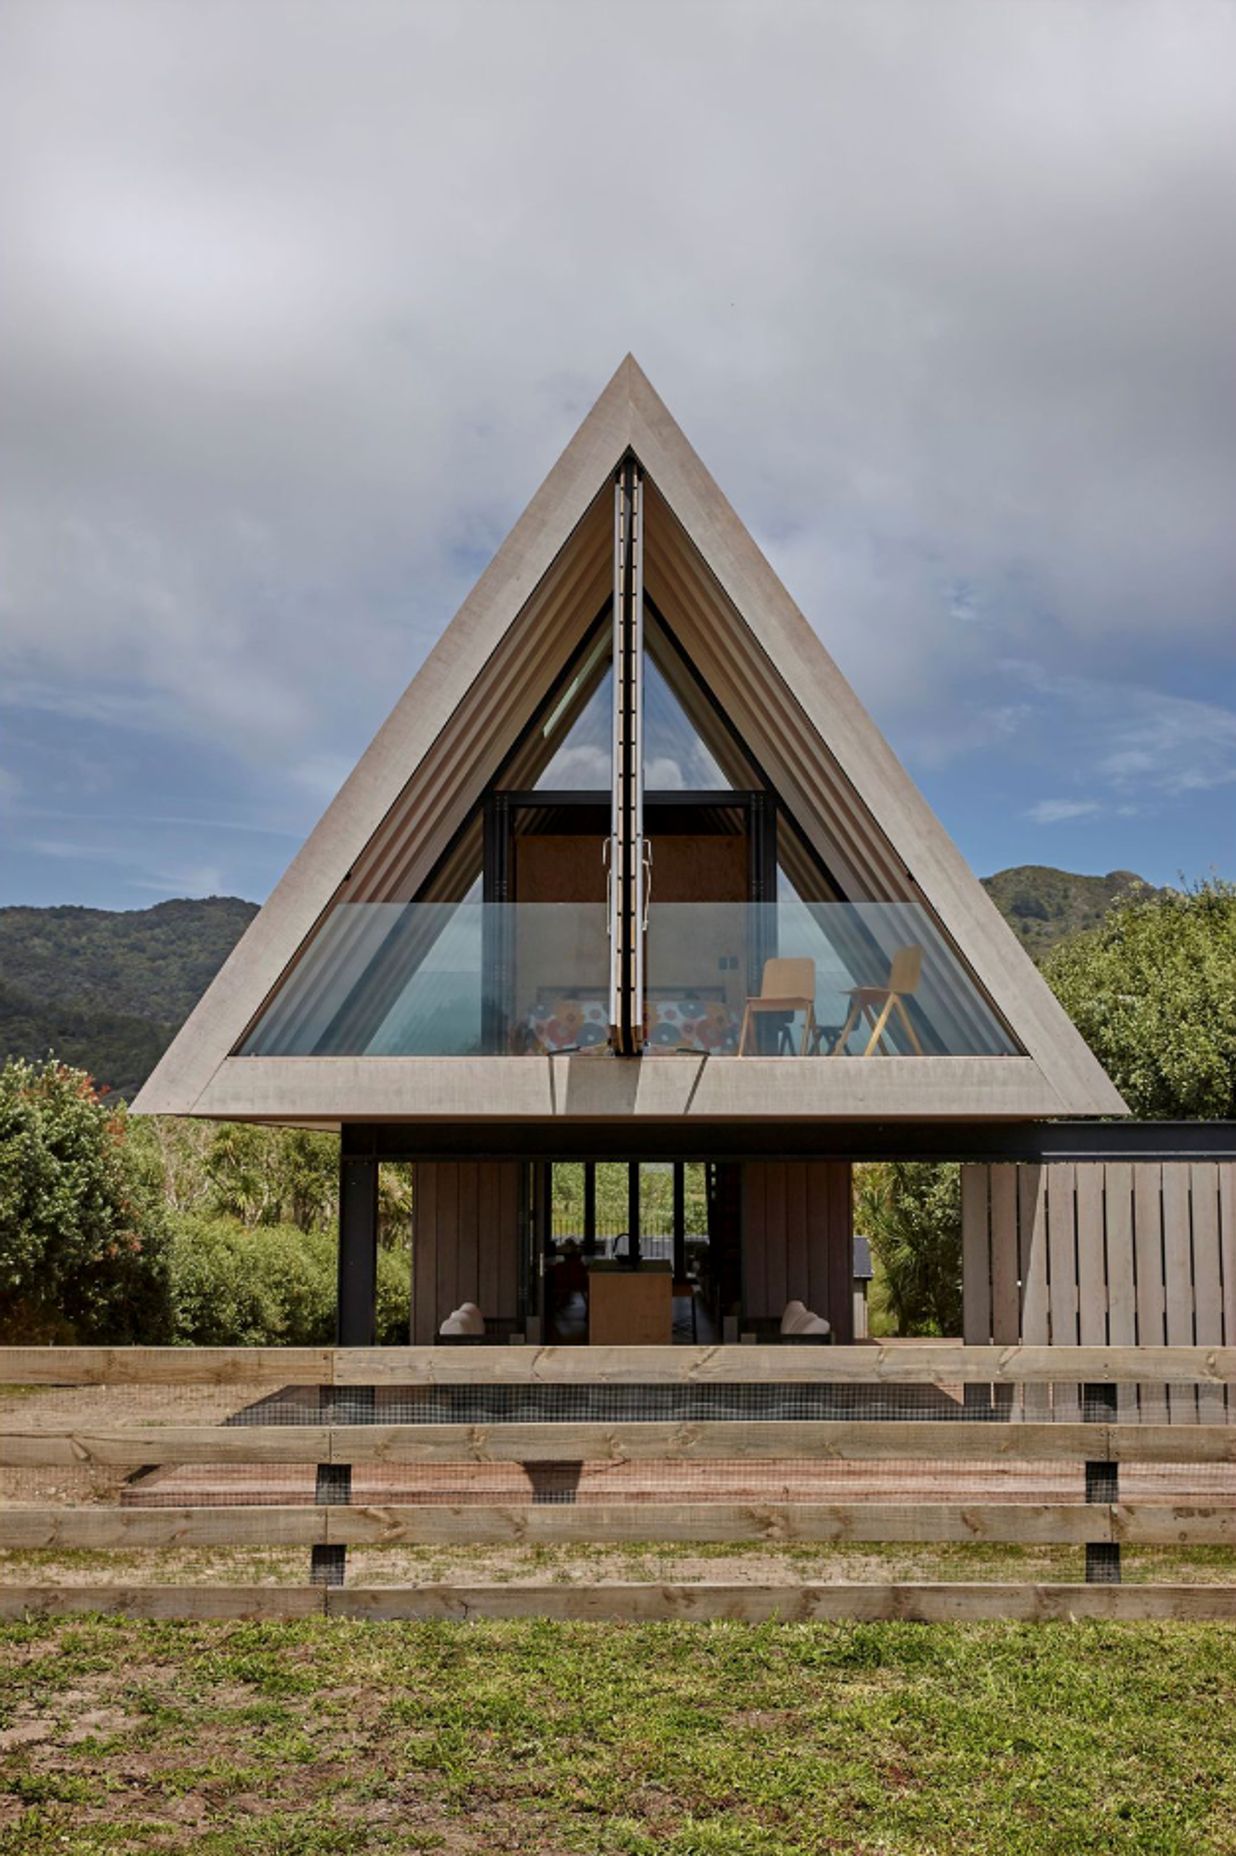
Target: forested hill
107, 990
1043, 905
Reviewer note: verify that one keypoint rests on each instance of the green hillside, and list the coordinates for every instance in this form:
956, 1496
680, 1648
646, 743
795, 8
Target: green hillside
1043, 905
107, 990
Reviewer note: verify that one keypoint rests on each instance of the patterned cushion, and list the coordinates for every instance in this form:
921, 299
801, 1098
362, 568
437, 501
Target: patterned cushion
696, 1024
672, 1024
567, 1024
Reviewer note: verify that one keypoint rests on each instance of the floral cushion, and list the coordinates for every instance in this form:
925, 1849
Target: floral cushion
672, 1024
691, 1023
567, 1024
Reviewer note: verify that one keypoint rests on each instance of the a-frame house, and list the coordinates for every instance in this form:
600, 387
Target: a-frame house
628, 874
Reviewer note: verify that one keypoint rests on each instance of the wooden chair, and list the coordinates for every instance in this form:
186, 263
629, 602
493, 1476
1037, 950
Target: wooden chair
877, 1003
786, 986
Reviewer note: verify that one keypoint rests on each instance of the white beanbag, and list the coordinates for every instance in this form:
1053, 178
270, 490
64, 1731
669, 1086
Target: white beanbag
800, 1320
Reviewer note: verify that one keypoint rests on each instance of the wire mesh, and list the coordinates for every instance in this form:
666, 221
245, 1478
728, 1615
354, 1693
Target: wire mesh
795, 1475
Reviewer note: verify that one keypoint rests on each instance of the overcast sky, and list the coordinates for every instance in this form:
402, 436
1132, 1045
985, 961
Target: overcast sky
300, 302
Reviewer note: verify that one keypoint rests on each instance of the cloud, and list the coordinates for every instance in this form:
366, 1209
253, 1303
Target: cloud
1172, 744
664, 774
1137, 742
1058, 811
189, 879
580, 765
303, 300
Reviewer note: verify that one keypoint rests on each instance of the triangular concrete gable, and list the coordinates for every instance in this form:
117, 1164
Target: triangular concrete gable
770, 671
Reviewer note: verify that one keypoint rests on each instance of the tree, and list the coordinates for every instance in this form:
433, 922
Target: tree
910, 1211
235, 1285
83, 1234
1153, 992
265, 1176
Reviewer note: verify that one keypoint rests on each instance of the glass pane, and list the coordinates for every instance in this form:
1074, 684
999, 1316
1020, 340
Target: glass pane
447, 979
682, 724
811, 978
675, 758
581, 759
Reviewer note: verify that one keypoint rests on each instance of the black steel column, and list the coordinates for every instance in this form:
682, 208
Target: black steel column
356, 1325
634, 1227
1102, 1485
356, 1318
590, 1208
680, 1220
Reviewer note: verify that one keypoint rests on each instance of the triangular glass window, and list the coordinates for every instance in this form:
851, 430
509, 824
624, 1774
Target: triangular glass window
581, 759
689, 745
675, 758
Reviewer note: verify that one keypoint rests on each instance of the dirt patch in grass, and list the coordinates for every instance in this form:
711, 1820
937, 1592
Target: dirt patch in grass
593, 1740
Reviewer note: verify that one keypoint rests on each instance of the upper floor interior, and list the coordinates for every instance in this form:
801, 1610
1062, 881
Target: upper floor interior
760, 932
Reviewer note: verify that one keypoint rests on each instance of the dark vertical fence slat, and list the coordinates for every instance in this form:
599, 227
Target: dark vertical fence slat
356, 1323
1102, 1485
489, 1235
838, 1197
467, 1241
797, 1235
424, 1252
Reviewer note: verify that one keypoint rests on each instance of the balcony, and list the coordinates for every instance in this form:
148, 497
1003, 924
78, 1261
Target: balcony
815, 981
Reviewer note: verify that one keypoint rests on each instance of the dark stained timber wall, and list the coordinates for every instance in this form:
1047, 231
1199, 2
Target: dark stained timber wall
798, 1240
465, 1241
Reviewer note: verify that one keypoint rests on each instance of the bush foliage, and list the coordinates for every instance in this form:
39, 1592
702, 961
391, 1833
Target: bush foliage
234, 1285
117, 1229
1153, 992
83, 1226
910, 1212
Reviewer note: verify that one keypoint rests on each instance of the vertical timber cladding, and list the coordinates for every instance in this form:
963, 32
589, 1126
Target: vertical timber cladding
626, 844
798, 1240
465, 1241
1119, 1253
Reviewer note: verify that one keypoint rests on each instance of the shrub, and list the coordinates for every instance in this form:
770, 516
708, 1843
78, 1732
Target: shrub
235, 1285
911, 1214
83, 1232
1153, 992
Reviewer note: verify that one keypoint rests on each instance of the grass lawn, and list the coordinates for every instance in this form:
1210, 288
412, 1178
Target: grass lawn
680, 1739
